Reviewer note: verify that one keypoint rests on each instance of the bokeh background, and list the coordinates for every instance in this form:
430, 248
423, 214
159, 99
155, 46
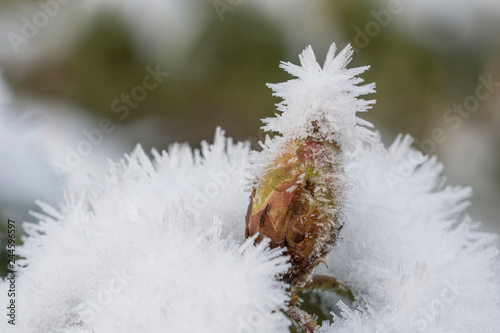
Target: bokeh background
67, 65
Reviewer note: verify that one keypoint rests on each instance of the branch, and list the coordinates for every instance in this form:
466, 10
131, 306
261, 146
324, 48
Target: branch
302, 320
326, 283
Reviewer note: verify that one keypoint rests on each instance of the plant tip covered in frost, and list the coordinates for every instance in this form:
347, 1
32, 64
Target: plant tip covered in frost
326, 96
299, 188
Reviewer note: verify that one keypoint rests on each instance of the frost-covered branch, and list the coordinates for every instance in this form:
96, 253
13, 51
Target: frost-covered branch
302, 320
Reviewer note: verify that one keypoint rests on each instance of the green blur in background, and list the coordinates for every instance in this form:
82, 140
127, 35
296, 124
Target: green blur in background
219, 56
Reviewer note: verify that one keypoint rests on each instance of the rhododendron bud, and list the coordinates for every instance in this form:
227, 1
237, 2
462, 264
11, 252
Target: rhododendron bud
296, 204
298, 195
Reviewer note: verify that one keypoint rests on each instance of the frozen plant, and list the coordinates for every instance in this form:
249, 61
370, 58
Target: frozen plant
160, 247
299, 192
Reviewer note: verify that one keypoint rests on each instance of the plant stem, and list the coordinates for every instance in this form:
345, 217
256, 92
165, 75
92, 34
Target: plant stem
302, 320
326, 283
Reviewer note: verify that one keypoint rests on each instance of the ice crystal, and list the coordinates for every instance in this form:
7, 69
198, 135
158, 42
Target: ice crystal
322, 102
411, 257
156, 248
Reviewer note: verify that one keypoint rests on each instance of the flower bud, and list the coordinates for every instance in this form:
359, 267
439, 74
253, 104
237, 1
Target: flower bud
297, 203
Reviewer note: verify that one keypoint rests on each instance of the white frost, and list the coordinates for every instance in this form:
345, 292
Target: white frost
140, 254
325, 96
413, 260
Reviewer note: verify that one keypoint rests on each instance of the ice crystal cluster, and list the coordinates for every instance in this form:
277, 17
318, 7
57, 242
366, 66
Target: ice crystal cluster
413, 260
153, 250
160, 246
322, 102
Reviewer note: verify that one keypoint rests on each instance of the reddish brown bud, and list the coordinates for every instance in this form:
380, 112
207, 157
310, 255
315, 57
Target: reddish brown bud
296, 205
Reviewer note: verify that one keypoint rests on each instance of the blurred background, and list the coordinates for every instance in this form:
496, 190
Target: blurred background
86, 80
